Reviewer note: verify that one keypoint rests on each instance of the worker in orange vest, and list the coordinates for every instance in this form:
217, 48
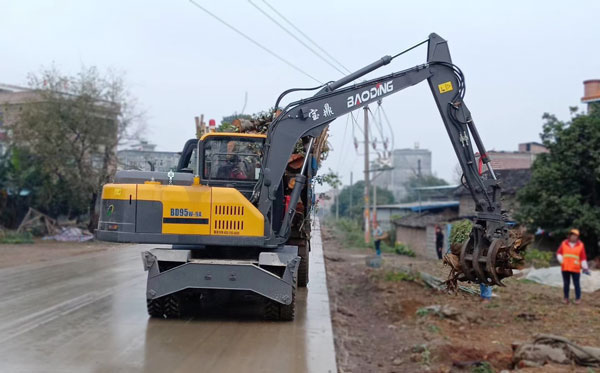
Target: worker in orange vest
572, 258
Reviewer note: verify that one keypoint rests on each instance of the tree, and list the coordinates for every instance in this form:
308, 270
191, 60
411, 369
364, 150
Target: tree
70, 130
419, 182
357, 193
564, 191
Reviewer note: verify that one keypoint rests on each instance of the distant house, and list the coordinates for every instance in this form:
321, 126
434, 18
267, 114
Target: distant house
516, 160
147, 160
14, 98
386, 214
511, 181
417, 230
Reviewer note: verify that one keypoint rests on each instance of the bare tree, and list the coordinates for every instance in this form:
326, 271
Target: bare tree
72, 126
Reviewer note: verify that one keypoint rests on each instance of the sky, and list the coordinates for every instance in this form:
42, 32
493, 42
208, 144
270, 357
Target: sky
520, 59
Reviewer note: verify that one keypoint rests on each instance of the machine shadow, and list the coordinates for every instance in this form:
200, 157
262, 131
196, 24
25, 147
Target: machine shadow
232, 322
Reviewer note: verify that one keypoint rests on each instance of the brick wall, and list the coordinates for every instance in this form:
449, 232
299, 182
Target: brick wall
415, 238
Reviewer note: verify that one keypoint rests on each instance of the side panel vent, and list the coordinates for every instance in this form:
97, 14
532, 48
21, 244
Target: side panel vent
229, 210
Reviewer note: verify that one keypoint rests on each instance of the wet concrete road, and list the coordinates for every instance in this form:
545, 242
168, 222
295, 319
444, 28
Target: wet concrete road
88, 314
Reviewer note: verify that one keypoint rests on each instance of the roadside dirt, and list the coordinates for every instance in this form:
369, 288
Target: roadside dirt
380, 325
12, 255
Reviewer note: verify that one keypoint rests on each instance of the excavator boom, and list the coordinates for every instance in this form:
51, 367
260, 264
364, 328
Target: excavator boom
308, 117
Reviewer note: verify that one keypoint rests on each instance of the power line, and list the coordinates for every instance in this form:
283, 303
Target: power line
295, 37
343, 141
256, 42
389, 125
306, 36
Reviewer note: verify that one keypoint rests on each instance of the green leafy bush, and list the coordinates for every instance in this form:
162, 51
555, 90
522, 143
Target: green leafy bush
538, 258
460, 231
402, 249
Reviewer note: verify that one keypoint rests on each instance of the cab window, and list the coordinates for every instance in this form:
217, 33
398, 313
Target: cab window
232, 158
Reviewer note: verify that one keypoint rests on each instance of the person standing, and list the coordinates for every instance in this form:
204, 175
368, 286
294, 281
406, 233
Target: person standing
572, 259
378, 235
439, 242
486, 293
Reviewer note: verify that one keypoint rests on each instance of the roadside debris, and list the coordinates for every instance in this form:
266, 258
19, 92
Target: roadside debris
436, 283
71, 234
445, 311
547, 348
38, 223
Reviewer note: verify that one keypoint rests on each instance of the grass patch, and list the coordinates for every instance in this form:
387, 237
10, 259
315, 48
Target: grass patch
396, 276
484, 367
426, 357
527, 281
422, 312
433, 328
12, 237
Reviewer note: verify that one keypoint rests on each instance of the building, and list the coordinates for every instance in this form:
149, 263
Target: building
326, 201
513, 160
147, 160
591, 94
387, 214
511, 182
13, 98
406, 164
417, 230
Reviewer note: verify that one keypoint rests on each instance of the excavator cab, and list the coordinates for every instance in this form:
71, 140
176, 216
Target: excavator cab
225, 160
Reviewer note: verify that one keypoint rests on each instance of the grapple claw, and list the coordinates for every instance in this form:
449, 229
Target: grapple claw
479, 257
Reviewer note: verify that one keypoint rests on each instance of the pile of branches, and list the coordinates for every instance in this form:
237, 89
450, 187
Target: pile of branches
510, 256
259, 123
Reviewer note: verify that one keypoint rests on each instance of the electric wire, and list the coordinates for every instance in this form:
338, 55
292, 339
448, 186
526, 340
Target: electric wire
377, 123
295, 37
253, 41
355, 121
343, 142
306, 36
389, 124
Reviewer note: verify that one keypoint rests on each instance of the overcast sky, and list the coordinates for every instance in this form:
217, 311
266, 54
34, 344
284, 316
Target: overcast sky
520, 59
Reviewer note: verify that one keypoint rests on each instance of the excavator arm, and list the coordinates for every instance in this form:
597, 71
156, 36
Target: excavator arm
308, 117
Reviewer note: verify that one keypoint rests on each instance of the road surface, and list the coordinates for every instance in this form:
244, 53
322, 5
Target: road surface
88, 314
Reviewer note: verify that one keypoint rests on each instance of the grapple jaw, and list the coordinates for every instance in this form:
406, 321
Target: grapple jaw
488, 256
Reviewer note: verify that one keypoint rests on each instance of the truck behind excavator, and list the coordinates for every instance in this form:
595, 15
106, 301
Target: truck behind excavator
237, 222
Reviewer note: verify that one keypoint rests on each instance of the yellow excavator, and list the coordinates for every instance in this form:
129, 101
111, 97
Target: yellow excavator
232, 220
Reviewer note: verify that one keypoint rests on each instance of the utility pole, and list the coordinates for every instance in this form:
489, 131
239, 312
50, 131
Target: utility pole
374, 216
367, 204
337, 204
350, 192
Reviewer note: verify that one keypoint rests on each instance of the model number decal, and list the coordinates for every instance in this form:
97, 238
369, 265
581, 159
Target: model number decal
185, 213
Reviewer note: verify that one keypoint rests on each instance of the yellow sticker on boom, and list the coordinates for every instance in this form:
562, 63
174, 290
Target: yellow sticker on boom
445, 87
